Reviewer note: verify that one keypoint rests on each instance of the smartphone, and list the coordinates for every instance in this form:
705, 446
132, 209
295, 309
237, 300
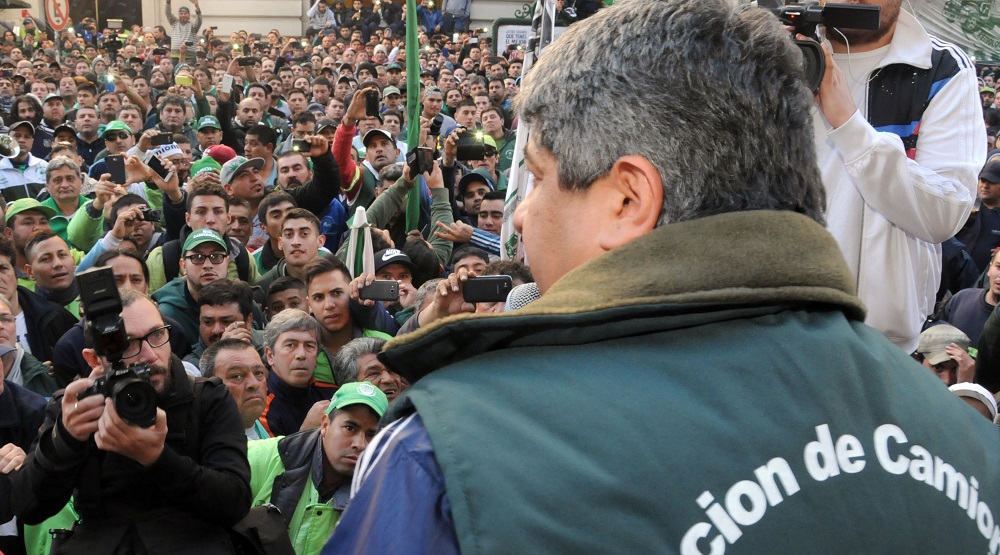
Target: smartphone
161, 139
301, 145
189, 43
109, 83
474, 40
246, 62
227, 84
116, 167
487, 289
184, 80
371, 103
156, 164
380, 290
159, 51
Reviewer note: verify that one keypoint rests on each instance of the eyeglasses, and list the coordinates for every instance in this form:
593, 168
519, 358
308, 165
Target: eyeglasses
488, 151
156, 338
119, 136
199, 259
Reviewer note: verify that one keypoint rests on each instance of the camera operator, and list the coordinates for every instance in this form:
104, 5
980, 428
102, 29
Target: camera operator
174, 486
899, 139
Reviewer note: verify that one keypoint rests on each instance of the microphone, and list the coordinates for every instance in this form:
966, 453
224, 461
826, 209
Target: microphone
521, 296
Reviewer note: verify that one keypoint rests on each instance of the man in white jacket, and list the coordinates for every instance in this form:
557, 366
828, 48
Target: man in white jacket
900, 140
320, 17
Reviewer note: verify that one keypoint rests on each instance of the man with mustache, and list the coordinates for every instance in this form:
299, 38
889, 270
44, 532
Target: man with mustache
204, 258
239, 366
138, 488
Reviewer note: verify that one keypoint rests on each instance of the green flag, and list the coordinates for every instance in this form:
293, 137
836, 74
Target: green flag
413, 108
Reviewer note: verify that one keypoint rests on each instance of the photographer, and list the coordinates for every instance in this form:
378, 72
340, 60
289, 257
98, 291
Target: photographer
140, 488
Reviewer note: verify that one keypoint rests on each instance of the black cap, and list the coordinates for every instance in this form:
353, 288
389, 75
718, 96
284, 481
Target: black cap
991, 171
386, 257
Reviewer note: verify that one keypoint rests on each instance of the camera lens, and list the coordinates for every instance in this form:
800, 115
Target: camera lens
135, 401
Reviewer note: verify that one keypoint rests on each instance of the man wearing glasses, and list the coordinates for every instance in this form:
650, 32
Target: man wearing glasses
134, 487
118, 138
204, 259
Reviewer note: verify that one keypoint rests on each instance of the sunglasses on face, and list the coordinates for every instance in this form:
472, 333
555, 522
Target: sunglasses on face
119, 136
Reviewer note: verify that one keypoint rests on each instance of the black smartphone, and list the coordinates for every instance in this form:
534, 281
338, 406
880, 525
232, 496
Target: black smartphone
420, 160
371, 103
380, 290
156, 164
487, 289
245, 61
301, 145
161, 139
116, 167
189, 43
159, 51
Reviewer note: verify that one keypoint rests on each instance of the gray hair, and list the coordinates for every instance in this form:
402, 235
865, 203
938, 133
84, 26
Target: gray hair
60, 163
345, 364
211, 354
598, 94
290, 319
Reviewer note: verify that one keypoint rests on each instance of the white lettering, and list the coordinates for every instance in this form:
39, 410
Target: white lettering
742, 514
984, 519
689, 543
956, 481
719, 518
922, 466
882, 435
776, 467
848, 448
820, 456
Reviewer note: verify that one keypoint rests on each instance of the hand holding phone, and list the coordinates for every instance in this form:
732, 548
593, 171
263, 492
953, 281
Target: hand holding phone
380, 290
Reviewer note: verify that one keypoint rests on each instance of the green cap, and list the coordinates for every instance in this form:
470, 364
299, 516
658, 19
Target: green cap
208, 121
205, 163
204, 235
25, 204
359, 393
117, 125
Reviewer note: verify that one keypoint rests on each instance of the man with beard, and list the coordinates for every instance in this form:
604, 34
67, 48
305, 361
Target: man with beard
6, 97
53, 112
240, 367
907, 112
307, 475
176, 485
225, 310
205, 258
108, 104
22, 176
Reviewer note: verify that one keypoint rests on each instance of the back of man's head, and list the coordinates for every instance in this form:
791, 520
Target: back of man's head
596, 82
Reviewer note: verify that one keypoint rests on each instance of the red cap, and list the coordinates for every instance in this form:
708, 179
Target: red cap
220, 153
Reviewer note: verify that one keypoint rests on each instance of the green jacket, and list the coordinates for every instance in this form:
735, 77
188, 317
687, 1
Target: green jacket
282, 472
710, 384
85, 231
59, 223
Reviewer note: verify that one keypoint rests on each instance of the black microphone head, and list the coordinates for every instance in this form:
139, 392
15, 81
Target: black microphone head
521, 296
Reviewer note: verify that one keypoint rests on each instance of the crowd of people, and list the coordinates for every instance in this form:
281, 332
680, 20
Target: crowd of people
246, 191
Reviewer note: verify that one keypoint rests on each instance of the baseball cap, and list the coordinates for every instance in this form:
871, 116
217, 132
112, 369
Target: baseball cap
315, 107
25, 204
386, 257
205, 163
64, 127
346, 79
977, 392
238, 165
373, 132
208, 121
323, 123
220, 153
27, 20
991, 171
934, 341
472, 177
359, 393
394, 67
204, 235
21, 123
390, 90
116, 125
51, 96
990, 90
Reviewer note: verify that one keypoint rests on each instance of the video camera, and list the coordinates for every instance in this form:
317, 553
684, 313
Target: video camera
806, 15
127, 386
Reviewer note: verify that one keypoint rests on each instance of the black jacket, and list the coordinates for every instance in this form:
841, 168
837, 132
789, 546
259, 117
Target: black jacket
46, 322
182, 503
21, 414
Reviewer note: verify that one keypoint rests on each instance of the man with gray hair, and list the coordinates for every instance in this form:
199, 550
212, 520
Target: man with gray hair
296, 401
592, 422
358, 362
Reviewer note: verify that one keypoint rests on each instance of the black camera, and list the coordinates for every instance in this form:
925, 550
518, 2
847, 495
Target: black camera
150, 215
470, 145
436, 125
301, 145
128, 387
112, 44
806, 15
420, 161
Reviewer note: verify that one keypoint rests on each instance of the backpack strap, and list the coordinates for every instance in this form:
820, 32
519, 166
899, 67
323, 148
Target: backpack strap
171, 259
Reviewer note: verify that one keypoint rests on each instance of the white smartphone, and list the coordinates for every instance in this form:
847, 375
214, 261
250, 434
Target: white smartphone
227, 84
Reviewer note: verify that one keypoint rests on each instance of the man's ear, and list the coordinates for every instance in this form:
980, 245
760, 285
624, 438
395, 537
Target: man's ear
92, 359
27, 270
635, 191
